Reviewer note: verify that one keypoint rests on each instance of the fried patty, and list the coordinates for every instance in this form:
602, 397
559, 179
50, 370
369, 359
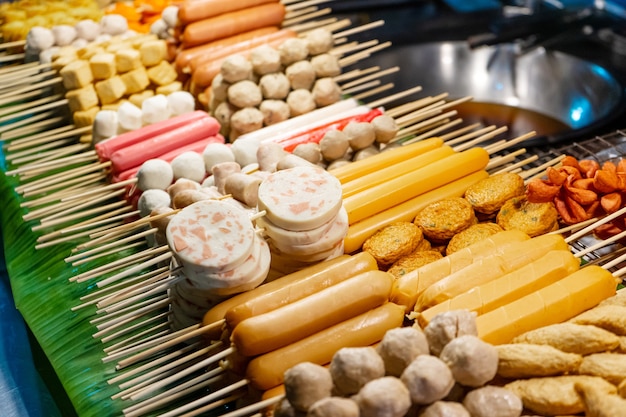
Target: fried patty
472, 234
445, 218
413, 261
488, 195
393, 242
534, 219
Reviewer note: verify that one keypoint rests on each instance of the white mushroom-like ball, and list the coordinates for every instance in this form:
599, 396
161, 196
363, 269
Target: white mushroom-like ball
130, 116
180, 102
64, 34
493, 401
189, 165
155, 174
152, 199
216, 153
246, 120
155, 109
326, 91
219, 88
300, 101
113, 24
301, 74
274, 85
445, 409
87, 29
39, 38
446, 326
326, 65
170, 16
105, 125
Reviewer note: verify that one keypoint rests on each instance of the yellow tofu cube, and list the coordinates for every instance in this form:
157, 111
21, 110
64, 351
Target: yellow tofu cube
170, 88
163, 73
84, 118
127, 59
82, 98
89, 51
153, 52
138, 98
103, 65
136, 80
76, 74
110, 90
113, 106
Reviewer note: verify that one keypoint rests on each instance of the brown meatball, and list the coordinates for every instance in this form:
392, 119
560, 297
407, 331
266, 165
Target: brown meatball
320, 41
326, 65
445, 409
383, 397
428, 379
443, 219
413, 261
293, 50
532, 218
307, 383
360, 134
301, 74
244, 93
488, 195
236, 68
385, 128
265, 59
274, 111
246, 120
492, 401
400, 346
334, 145
335, 407
472, 234
472, 361
300, 101
326, 92
274, 85
444, 327
351, 368
393, 242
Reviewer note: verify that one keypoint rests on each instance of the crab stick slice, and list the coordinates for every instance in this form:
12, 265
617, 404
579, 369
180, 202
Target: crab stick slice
275, 329
548, 269
487, 269
402, 188
266, 371
408, 287
552, 304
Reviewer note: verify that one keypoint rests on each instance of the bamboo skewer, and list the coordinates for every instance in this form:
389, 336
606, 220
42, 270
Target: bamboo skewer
373, 91
303, 18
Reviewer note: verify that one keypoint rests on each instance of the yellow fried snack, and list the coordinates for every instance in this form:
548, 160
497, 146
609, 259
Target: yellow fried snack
532, 218
443, 219
413, 261
610, 366
524, 360
555, 395
598, 403
572, 338
393, 242
472, 234
621, 389
489, 195
609, 317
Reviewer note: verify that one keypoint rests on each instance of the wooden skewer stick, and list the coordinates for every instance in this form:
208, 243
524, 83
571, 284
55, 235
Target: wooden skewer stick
408, 131
360, 87
12, 57
433, 132
55, 196
463, 138
48, 134
539, 171
167, 344
214, 405
374, 91
87, 179
366, 53
108, 238
504, 159
138, 223
115, 317
516, 165
615, 262
590, 228
359, 29
64, 239
480, 139
55, 152
54, 179
302, 4
512, 142
47, 83
414, 105
329, 23
37, 109
244, 411
50, 213
10, 111
107, 253
303, 18
41, 167
116, 215
147, 322
573, 227
76, 216
135, 269
352, 47
121, 296
45, 138
12, 44
111, 290
25, 96
370, 77
349, 75
29, 120
600, 244
300, 12
393, 97
107, 246
152, 332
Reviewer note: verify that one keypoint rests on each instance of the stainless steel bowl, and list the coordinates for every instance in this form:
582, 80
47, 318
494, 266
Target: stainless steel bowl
575, 94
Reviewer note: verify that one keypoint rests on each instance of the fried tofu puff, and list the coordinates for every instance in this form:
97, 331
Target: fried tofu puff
600, 404
443, 219
525, 360
572, 338
393, 242
532, 218
489, 195
413, 261
610, 366
556, 395
472, 234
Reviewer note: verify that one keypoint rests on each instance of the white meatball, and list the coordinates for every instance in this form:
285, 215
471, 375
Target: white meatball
170, 16
113, 24
189, 165
293, 50
385, 128
155, 174
39, 38
300, 102
155, 109
152, 199
326, 91
265, 59
245, 151
301, 74
180, 102
215, 153
159, 28
64, 34
87, 29
335, 407
320, 41
334, 145
244, 93
360, 134
130, 116
309, 151
105, 125
219, 88
246, 120
236, 68
326, 65
274, 111
274, 86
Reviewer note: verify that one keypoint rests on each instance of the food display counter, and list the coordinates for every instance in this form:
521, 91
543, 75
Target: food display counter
424, 76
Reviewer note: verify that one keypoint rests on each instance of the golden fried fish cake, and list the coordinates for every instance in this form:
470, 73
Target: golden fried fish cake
413, 261
598, 403
555, 395
532, 218
608, 317
472, 234
393, 242
443, 219
525, 360
610, 366
571, 337
424, 245
489, 195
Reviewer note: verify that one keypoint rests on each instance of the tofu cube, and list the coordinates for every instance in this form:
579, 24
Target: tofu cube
84, 118
162, 74
103, 65
135, 80
138, 98
170, 88
82, 98
110, 90
76, 74
153, 52
127, 59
